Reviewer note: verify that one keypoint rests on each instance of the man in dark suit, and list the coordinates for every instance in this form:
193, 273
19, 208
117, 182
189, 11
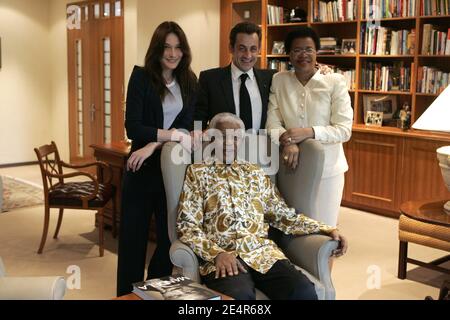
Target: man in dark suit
239, 88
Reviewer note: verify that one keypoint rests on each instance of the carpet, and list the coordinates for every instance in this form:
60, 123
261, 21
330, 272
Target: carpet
18, 193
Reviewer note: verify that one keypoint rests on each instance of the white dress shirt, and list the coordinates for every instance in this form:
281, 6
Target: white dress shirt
253, 91
172, 103
322, 104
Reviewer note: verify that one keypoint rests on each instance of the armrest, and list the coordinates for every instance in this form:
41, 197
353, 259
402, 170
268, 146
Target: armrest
90, 164
32, 288
183, 257
312, 253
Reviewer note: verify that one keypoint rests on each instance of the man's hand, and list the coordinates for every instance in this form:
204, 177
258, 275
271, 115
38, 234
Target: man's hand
138, 157
324, 69
343, 245
227, 264
290, 155
296, 135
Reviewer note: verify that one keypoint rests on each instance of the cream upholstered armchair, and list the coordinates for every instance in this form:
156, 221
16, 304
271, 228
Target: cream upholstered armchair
309, 253
30, 288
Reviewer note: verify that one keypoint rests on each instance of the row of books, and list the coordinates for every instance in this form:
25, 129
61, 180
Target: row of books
431, 80
349, 75
386, 77
434, 7
385, 41
380, 9
276, 15
435, 42
333, 11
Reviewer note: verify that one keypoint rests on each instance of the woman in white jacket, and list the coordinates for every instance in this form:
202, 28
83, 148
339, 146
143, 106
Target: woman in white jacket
307, 104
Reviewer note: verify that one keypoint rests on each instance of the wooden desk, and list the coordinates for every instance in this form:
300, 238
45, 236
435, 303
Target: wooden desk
430, 217
115, 154
132, 296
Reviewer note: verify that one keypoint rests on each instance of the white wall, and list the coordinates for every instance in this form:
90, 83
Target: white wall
33, 80
25, 103
200, 20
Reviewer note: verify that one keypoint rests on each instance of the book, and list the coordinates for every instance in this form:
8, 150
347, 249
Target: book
175, 287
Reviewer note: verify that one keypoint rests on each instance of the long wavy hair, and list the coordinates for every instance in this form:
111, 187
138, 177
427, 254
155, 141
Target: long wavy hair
183, 73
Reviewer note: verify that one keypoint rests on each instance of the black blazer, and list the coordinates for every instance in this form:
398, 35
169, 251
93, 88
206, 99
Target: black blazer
144, 116
216, 93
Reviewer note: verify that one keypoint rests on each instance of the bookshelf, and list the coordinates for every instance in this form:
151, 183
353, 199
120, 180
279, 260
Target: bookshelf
275, 26
387, 165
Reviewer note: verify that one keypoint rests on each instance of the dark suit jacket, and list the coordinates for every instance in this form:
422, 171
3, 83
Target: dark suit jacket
216, 93
144, 116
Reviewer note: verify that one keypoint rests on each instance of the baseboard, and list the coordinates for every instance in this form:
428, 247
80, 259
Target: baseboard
21, 164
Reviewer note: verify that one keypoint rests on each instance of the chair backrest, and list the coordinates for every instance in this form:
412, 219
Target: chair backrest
49, 162
299, 188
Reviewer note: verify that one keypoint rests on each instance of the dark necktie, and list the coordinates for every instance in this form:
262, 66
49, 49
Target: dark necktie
245, 105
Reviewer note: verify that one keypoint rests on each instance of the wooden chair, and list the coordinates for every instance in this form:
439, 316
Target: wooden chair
87, 195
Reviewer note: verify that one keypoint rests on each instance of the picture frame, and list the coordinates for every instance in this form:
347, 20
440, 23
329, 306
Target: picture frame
348, 46
278, 47
374, 119
380, 103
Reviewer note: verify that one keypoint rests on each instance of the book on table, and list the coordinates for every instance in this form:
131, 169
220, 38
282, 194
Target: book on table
175, 287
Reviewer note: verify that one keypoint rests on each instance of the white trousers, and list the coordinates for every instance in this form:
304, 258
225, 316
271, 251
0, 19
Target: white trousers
329, 199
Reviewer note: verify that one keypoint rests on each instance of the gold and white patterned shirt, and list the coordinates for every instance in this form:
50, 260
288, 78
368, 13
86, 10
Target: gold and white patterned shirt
228, 208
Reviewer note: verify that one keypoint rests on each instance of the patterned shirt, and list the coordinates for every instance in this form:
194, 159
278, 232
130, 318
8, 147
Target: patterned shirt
228, 208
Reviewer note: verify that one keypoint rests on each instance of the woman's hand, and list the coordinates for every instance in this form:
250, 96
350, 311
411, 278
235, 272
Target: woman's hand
290, 155
227, 263
343, 244
138, 157
296, 136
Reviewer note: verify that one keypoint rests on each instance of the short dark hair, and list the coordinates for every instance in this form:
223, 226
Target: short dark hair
244, 27
301, 32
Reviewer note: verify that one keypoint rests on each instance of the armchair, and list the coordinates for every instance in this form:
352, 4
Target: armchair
30, 288
309, 253
90, 195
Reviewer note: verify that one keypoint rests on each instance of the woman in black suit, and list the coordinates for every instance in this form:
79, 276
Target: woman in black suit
160, 101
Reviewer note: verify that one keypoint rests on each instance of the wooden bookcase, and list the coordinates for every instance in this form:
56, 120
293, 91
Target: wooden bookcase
384, 190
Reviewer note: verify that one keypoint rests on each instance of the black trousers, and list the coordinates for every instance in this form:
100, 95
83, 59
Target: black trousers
282, 282
138, 205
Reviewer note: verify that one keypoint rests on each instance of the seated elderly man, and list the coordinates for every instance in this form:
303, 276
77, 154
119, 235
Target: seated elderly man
225, 210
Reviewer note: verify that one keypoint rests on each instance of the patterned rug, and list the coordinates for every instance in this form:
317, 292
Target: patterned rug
18, 193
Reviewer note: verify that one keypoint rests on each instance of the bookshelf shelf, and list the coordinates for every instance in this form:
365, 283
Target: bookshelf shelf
434, 56
406, 93
277, 56
293, 24
334, 22
390, 19
435, 17
351, 56
386, 56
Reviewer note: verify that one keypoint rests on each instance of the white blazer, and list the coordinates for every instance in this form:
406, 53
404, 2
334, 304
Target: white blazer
322, 104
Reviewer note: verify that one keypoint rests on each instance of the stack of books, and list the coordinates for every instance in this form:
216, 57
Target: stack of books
276, 15
280, 65
175, 287
327, 46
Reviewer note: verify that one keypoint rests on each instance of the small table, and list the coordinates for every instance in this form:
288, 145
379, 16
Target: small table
132, 296
424, 223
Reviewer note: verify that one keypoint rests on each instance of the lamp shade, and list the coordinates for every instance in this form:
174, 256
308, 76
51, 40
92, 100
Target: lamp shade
437, 115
